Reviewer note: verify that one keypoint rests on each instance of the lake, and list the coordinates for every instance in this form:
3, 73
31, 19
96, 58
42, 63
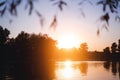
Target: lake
87, 70
77, 70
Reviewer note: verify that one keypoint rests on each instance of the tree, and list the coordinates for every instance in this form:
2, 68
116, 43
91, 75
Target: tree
119, 45
106, 50
83, 48
4, 35
114, 47
35, 51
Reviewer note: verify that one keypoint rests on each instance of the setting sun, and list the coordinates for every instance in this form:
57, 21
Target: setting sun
68, 41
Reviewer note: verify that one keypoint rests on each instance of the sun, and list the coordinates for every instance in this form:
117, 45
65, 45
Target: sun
67, 41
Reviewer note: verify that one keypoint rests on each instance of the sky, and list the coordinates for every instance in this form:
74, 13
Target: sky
70, 22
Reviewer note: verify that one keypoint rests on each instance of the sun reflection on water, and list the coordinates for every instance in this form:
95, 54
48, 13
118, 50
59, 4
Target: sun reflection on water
72, 70
68, 64
65, 71
68, 70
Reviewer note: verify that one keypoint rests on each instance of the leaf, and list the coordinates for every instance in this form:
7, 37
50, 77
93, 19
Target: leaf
98, 32
54, 23
60, 4
39, 15
111, 8
31, 7
2, 3
18, 2
105, 26
106, 18
3, 11
56, 3
41, 18
30, 4
82, 13
117, 1
100, 2
104, 7
114, 6
26, 6
13, 9
63, 3
60, 7
42, 22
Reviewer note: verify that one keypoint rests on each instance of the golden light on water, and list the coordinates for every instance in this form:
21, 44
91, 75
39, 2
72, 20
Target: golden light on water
68, 63
67, 71
84, 70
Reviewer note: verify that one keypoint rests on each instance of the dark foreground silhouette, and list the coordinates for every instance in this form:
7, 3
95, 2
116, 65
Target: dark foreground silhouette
26, 57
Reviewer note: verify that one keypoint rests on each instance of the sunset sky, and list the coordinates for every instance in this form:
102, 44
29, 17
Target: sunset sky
70, 22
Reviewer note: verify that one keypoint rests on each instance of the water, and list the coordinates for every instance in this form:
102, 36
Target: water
77, 70
87, 70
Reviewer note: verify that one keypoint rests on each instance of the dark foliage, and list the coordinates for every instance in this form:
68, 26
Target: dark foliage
83, 48
98, 32
105, 18
41, 18
60, 4
119, 45
4, 35
114, 66
112, 4
54, 23
113, 7
28, 56
114, 47
107, 50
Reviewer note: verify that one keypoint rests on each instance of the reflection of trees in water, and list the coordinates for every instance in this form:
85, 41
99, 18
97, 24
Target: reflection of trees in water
119, 69
83, 68
114, 66
107, 65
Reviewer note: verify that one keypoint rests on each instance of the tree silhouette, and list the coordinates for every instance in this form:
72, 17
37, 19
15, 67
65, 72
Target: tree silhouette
114, 47
119, 45
106, 50
35, 51
4, 34
83, 48
31, 56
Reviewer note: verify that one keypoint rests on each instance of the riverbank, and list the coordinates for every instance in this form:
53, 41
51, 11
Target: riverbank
92, 57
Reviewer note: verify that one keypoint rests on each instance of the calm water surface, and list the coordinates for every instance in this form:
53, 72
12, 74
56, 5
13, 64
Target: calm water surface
81, 70
87, 70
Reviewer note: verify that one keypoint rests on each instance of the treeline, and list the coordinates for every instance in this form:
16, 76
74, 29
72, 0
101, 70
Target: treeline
115, 48
109, 53
27, 56
82, 53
